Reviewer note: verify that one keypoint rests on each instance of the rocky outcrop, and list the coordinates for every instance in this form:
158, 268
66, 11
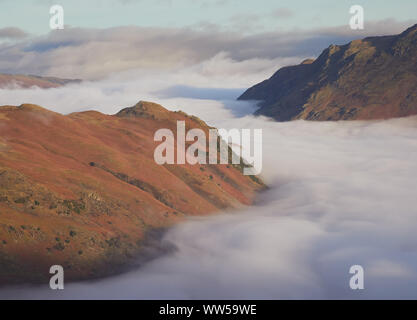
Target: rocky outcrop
373, 78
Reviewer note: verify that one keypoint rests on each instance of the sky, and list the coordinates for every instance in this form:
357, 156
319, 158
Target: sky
104, 37
245, 16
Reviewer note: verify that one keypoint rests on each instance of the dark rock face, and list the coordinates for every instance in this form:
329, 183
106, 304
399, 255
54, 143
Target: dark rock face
373, 78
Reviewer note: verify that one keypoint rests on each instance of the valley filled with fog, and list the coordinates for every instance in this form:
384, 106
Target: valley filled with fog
341, 194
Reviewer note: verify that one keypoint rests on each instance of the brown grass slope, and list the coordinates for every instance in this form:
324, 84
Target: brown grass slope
82, 190
373, 78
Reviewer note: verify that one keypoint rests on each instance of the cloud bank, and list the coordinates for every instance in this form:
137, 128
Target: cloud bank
97, 53
12, 33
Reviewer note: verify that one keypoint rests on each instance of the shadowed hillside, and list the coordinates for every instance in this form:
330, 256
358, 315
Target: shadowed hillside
373, 78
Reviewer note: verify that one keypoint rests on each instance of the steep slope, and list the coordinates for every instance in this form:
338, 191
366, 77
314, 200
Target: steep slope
27, 81
371, 78
82, 190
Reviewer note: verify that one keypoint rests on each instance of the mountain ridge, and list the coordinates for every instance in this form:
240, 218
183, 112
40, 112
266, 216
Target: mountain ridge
83, 190
372, 78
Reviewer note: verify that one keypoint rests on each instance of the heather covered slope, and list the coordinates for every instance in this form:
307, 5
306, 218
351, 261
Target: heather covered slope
373, 78
82, 190
28, 81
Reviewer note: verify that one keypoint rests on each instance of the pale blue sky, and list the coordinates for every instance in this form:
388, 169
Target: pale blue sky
247, 16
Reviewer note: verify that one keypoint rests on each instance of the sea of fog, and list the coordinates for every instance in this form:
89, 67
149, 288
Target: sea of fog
341, 194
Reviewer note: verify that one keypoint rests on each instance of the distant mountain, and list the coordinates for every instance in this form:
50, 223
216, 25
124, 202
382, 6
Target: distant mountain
82, 190
373, 78
27, 81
